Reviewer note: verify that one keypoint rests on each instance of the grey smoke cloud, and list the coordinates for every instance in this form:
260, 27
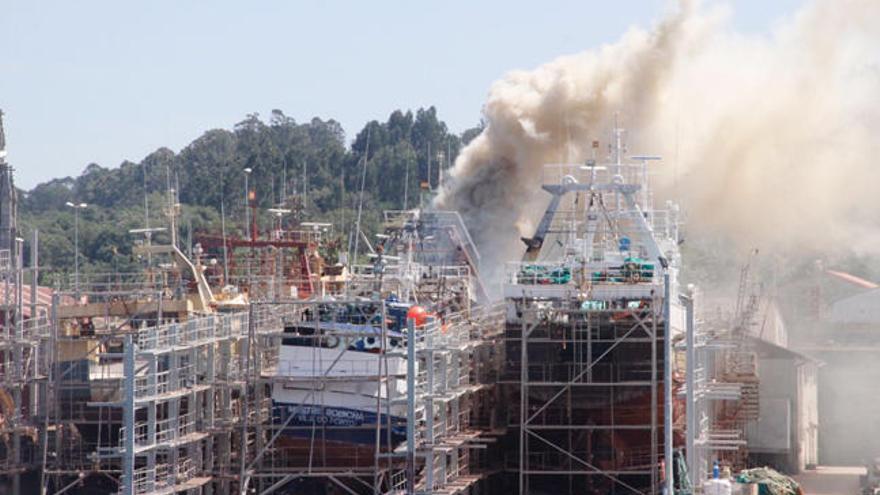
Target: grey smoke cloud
767, 139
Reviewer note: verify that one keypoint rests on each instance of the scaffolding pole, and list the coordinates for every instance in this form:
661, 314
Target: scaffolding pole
668, 354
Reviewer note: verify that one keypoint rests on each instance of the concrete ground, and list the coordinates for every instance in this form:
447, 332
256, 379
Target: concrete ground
831, 480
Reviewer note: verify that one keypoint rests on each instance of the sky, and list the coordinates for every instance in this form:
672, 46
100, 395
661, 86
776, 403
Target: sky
107, 81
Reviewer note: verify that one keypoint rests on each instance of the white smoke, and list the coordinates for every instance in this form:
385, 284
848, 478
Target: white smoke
770, 140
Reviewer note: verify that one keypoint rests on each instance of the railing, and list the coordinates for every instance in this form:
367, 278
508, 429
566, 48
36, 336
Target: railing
39, 326
185, 470
300, 236
101, 282
664, 223
145, 479
152, 385
369, 273
163, 477
171, 429
439, 428
177, 334
398, 480
5, 260
202, 330
340, 368
31, 329
603, 173
556, 173
232, 325
563, 273
399, 217
452, 220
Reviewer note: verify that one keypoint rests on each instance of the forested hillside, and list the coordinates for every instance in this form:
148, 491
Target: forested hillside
285, 157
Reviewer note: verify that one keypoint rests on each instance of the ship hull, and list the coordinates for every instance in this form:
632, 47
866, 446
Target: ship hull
339, 424
334, 409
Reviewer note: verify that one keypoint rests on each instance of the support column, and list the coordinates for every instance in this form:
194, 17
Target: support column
128, 417
410, 406
19, 365
667, 388
690, 384
523, 403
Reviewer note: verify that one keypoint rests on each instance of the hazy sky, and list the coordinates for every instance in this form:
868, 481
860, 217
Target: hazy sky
103, 81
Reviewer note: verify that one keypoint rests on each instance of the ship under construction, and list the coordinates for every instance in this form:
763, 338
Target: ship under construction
255, 363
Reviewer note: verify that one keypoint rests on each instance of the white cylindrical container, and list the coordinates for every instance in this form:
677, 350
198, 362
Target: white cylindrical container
745, 489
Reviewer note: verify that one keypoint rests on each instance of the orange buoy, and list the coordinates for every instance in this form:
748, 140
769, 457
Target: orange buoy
417, 313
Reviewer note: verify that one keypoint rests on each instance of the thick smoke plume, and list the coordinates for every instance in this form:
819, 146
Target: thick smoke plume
770, 140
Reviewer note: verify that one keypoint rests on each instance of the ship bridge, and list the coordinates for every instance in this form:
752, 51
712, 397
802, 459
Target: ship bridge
600, 236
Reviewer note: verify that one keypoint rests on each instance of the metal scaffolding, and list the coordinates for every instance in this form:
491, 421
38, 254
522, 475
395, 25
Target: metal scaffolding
173, 438
721, 390
589, 391
156, 405
24, 364
439, 379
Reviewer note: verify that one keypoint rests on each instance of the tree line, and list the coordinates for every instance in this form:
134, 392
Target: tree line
307, 166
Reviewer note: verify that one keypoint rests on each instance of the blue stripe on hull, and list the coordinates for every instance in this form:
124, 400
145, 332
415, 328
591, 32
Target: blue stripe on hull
341, 424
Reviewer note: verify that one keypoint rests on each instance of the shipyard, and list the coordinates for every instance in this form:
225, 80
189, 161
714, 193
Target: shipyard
651, 268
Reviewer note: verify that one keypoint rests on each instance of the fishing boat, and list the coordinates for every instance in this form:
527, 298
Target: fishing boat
592, 309
340, 380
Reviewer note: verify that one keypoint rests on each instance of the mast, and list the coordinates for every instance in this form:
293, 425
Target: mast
617, 155
361, 199
172, 208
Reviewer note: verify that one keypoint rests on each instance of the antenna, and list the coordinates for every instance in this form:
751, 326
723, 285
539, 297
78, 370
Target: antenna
646, 193
279, 214
617, 154
146, 232
172, 206
179, 209
618, 144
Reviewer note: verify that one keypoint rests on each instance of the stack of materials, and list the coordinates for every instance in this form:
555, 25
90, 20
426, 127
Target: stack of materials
769, 481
